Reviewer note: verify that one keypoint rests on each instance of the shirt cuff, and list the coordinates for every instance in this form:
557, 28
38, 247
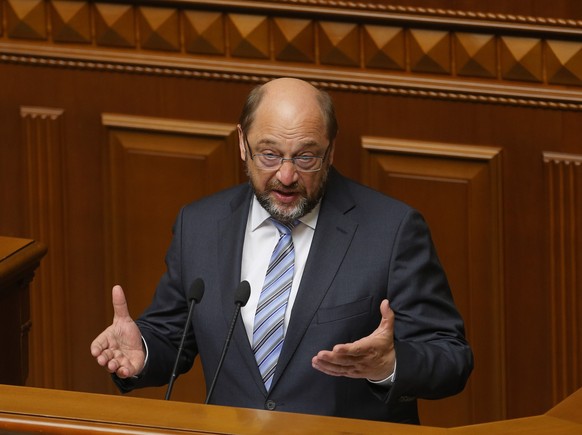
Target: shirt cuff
386, 382
145, 348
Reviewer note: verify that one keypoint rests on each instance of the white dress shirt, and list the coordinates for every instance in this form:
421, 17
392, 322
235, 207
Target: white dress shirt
261, 237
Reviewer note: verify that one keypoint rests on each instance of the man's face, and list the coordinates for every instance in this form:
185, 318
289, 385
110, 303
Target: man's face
286, 129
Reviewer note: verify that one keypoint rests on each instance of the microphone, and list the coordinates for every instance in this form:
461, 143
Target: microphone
241, 297
194, 296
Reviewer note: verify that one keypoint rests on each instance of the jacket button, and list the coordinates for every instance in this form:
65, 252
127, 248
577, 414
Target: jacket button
270, 405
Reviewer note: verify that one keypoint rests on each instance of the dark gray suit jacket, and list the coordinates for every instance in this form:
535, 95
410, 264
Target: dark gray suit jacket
366, 247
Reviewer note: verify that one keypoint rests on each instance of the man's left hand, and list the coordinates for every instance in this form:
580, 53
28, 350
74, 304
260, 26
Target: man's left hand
371, 357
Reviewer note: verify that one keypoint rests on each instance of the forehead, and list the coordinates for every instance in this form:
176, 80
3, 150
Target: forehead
289, 116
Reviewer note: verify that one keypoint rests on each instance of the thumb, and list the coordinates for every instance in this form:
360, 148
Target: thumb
387, 322
385, 309
120, 310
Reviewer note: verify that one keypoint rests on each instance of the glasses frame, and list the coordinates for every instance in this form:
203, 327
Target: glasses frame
283, 159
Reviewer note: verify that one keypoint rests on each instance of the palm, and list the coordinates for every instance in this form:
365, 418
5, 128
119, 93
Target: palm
119, 348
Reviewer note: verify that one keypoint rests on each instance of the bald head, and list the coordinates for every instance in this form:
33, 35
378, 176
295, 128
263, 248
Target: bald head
290, 97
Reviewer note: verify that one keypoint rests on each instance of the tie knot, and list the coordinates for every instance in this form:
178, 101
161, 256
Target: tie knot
284, 228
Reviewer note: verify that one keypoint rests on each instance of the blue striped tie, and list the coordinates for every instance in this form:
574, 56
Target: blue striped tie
268, 332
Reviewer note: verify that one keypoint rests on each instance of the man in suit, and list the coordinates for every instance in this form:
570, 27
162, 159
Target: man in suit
368, 324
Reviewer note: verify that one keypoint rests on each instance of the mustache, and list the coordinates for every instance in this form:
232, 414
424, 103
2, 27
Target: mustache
277, 185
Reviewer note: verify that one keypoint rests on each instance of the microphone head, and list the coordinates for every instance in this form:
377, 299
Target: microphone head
196, 291
243, 292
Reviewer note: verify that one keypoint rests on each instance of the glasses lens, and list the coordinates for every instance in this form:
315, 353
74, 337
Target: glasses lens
268, 161
308, 164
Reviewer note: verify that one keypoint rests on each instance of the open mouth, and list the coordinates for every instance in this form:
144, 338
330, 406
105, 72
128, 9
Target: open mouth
284, 196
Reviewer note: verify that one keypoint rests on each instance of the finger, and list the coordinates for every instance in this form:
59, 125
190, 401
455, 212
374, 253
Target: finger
99, 344
122, 373
385, 308
334, 358
351, 370
120, 310
112, 365
96, 348
386, 325
324, 366
122, 368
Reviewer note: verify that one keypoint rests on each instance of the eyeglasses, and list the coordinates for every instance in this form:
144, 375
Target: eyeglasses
272, 162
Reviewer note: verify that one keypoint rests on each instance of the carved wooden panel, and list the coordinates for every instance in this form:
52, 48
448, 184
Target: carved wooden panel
476, 55
71, 21
203, 32
339, 44
384, 47
249, 36
564, 62
476, 52
154, 167
457, 188
159, 29
430, 51
294, 40
115, 25
26, 19
46, 178
521, 58
563, 179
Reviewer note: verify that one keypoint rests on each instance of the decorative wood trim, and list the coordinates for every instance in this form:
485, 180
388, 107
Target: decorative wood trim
440, 12
563, 177
47, 222
475, 58
165, 125
386, 84
430, 148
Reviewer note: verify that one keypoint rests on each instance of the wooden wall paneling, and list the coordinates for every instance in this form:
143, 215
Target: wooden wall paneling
563, 180
154, 167
349, 45
46, 178
458, 190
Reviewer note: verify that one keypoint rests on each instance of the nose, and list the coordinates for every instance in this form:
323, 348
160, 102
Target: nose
287, 173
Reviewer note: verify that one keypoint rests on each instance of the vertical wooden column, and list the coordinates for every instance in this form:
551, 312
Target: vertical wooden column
46, 194
563, 178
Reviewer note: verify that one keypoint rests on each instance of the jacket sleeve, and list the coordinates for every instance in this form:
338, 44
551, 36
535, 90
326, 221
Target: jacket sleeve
434, 358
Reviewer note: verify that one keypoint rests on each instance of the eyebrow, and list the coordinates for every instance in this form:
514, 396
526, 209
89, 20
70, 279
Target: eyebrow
302, 145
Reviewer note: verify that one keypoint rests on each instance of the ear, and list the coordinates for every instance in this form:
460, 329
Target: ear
331, 152
241, 143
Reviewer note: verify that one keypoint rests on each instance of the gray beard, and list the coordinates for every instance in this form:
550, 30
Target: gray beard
305, 205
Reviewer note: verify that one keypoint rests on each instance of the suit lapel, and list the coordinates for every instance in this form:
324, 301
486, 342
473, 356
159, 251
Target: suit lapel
332, 238
231, 234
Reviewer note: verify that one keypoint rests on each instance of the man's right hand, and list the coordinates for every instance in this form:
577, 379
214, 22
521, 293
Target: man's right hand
119, 348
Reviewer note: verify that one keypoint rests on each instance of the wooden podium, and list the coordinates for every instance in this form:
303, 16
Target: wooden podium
18, 260
34, 410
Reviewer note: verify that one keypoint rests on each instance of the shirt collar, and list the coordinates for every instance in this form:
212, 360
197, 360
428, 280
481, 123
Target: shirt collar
259, 215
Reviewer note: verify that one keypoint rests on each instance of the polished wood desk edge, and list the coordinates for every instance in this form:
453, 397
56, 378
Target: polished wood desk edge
19, 256
27, 409
34, 409
563, 419
569, 409
10, 245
